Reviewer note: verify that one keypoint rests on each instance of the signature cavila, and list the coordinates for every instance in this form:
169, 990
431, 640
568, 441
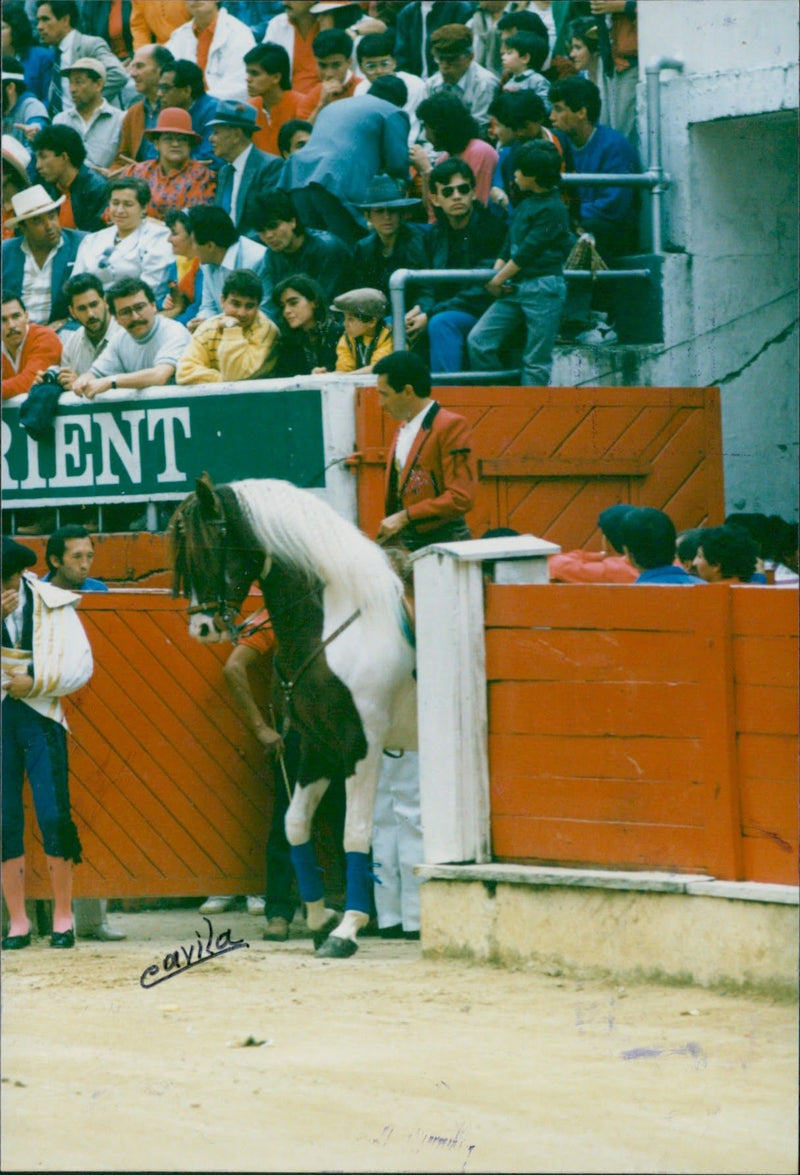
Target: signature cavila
183, 958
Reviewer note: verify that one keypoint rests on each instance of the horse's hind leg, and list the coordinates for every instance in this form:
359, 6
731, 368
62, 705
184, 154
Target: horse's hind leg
299, 817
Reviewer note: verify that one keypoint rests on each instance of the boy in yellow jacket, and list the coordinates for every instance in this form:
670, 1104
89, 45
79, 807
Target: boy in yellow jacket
366, 337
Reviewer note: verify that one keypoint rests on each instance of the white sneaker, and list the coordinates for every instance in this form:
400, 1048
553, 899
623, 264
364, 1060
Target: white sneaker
217, 905
255, 905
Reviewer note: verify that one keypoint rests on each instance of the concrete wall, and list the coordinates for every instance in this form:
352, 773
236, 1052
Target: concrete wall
718, 34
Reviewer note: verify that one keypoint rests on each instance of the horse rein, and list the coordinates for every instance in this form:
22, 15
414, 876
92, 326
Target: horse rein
288, 686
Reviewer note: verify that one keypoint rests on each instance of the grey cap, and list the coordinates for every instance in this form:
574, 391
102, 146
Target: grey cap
366, 303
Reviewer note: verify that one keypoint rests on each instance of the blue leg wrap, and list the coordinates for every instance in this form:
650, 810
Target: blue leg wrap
359, 882
309, 874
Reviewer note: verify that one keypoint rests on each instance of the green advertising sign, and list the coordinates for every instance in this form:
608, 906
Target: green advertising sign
153, 446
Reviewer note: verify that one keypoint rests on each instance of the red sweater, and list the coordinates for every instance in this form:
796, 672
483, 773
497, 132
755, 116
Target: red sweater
41, 349
590, 567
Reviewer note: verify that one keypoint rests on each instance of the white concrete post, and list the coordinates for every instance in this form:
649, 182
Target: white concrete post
451, 682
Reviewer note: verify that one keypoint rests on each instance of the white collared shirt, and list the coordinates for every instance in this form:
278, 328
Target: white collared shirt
37, 283
406, 435
238, 166
101, 134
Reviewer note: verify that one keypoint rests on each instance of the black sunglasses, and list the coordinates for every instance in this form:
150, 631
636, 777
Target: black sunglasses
461, 189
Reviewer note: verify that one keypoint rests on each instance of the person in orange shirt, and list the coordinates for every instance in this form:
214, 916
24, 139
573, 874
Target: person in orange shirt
269, 90
156, 20
597, 566
333, 50
27, 348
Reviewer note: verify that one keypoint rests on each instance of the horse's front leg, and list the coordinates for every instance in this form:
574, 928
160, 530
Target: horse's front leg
299, 817
361, 788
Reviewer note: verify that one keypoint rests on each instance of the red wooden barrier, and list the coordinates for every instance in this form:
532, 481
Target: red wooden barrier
645, 728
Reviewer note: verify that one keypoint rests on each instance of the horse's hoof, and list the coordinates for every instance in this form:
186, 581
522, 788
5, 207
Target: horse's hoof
319, 936
335, 947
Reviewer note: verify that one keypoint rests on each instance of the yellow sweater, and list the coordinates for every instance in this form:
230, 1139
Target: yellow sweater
224, 354
353, 354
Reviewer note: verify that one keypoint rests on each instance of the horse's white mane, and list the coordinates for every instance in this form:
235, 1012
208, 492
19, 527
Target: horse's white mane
297, 527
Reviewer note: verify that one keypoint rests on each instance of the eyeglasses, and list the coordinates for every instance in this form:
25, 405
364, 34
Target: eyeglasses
460, 189
129, 311
371, 66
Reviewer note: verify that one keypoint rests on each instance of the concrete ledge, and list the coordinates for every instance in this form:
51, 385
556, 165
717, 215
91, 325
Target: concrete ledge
656, 927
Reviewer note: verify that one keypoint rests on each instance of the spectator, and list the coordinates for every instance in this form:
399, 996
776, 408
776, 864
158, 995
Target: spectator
45, 656
40, 261
416, 24
522, 20
325, 193
60, 156
69, 554
584, 50
333, 50
366, 337
18, 41
181, 85
217, 42
346, 15
486, 35
596, 566
609, 214
269, 88
97, 122
221, 251
392, 243
185, 278
142, 115
293, 135
777, 544
28, 348
293, 248
453, 131
517, 117
239, 344
686, 546
295, 29
523, 56
725, 553
156, 21
23, 114
256, 14
375, 55
458, 71
145, 354
648, 540
620, 18
175, 179
111, 21
57, 24
133, 245
465, 236
87, 306
247, 172
529, 285
16, 161
309, 336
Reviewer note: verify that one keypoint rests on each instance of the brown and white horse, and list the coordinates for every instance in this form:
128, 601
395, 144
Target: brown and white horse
345, 666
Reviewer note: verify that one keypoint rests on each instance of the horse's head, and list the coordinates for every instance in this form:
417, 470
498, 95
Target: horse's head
216, 557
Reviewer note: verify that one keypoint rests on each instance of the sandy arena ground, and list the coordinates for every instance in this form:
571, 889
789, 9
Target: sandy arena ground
384, 1062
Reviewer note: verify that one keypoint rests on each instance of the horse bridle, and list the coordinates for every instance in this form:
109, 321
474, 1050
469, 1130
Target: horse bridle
225, 609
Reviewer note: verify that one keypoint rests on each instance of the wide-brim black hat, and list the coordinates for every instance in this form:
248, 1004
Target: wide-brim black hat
385, 192
16, 557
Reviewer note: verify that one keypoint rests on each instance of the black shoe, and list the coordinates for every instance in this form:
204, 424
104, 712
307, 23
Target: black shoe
395, 931
16, 942
63, 939
411, 934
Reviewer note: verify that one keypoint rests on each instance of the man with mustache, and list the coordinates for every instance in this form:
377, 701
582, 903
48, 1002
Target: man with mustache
40, 260
27, 347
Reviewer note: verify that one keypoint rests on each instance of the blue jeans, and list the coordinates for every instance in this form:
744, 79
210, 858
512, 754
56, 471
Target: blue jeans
447, 333
536, 306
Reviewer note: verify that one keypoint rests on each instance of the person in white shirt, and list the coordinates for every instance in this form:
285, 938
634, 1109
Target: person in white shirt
144, 354
230, 39
97, 122
134, 245
222, 251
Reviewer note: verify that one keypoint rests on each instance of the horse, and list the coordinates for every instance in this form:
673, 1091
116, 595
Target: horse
344, 662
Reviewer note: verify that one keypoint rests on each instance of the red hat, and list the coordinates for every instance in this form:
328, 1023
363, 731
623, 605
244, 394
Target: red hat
174, 120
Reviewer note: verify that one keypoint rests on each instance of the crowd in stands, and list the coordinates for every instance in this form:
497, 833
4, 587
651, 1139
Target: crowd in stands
309, 149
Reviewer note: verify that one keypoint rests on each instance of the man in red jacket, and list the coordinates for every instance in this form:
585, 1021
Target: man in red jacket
27, 347
430, 471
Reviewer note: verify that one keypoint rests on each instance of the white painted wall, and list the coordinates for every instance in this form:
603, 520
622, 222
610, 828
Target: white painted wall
718, 35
